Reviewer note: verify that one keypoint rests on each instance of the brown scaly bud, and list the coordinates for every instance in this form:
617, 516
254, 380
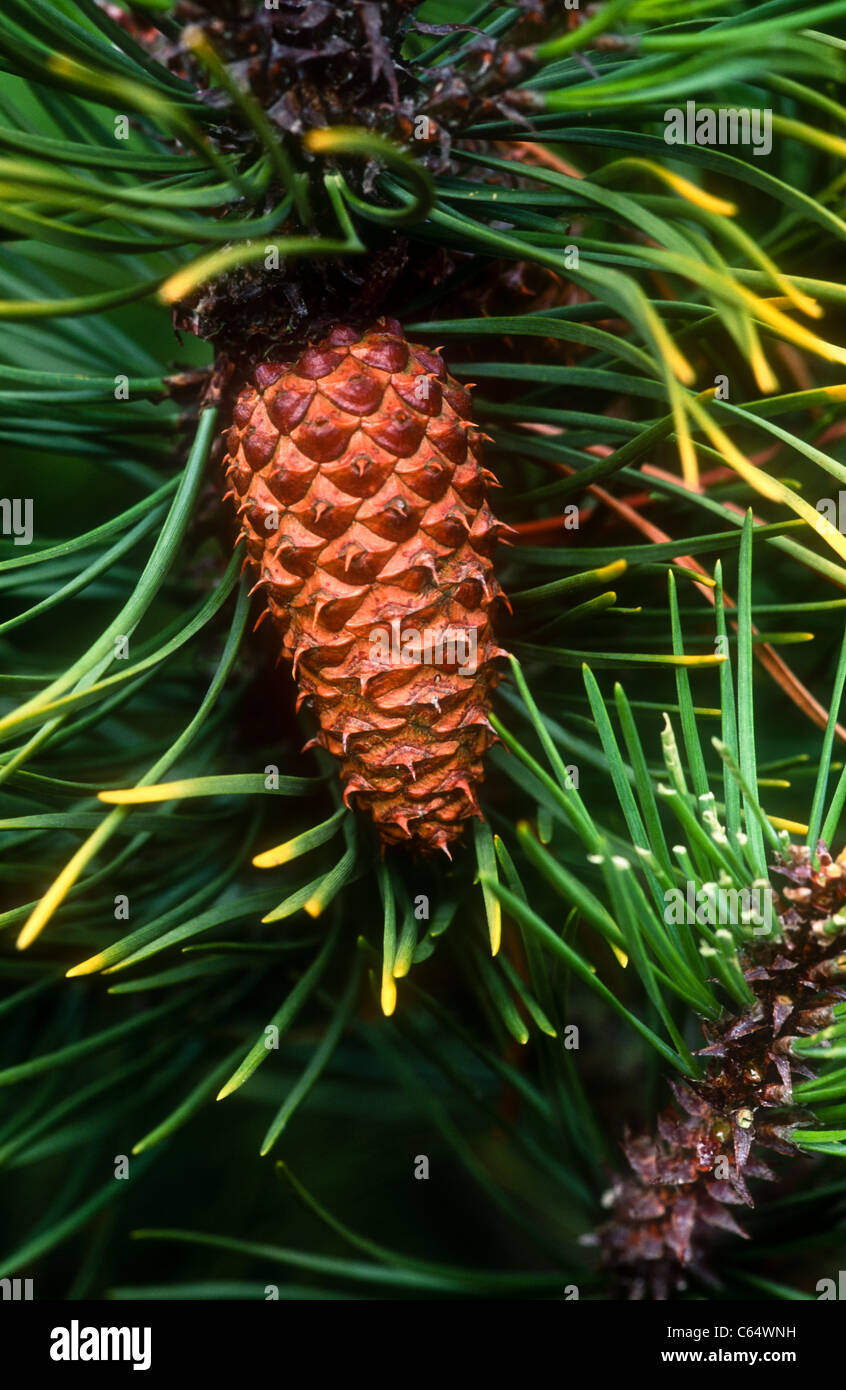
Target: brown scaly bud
665, 1217
355, 469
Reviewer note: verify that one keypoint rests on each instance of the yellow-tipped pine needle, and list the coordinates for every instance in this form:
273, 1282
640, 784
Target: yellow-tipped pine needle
685, 189
91, 966
823, 139
137, 796
207, 267
765, 378
388, 995
794, 826
270, 858
684, 442
299, 844
59, 889
765, 484
669, 353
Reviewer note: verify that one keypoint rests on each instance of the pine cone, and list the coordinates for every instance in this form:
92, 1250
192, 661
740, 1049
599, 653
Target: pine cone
665, 1217
362, 502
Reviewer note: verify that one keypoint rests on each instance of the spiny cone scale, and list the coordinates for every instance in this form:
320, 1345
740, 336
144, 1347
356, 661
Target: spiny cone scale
665, 1217
355, 469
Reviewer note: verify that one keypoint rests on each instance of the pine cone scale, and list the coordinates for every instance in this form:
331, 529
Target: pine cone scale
362, 503
661, 1215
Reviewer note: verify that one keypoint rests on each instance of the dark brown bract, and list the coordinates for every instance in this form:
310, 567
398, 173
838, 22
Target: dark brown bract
696, 1167
313, 65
